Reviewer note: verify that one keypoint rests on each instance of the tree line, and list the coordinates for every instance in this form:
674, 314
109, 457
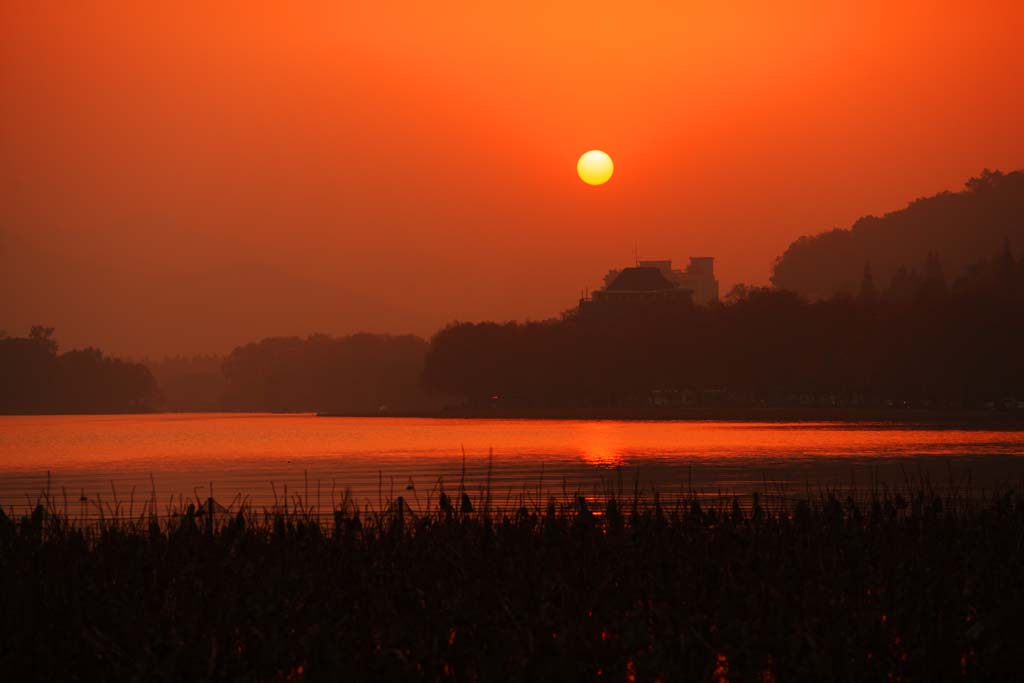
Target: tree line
360, 373
36, 378
917, 341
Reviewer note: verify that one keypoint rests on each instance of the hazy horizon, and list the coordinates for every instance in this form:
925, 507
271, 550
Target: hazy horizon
183, 180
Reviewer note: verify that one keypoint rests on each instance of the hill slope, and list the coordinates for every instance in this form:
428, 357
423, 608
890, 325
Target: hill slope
960, 227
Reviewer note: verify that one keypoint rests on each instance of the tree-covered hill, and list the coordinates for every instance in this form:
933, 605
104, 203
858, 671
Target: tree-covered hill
961, 228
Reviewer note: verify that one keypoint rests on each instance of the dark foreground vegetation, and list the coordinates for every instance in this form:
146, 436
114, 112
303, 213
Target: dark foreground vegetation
894, 587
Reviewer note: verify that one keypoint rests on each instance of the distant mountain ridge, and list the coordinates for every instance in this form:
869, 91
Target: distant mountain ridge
960, 228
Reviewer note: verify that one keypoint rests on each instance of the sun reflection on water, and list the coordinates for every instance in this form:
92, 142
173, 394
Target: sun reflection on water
600, 446
602, 457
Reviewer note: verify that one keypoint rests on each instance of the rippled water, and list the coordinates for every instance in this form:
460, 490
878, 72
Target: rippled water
318, 458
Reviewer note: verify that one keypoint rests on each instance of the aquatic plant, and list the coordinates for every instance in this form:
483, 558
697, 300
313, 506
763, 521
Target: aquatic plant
911, 584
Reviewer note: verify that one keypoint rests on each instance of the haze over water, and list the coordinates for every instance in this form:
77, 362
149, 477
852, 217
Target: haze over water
318, 458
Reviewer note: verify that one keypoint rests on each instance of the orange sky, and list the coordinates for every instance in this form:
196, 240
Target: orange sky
185, 179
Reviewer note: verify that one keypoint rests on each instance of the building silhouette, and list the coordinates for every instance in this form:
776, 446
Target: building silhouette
698, 278
636, 288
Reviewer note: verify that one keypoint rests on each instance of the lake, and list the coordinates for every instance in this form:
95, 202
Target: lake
257, 456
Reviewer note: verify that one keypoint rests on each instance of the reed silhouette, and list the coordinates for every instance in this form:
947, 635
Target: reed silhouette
907, 584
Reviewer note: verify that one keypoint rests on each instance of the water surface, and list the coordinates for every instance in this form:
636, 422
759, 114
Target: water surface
375, 458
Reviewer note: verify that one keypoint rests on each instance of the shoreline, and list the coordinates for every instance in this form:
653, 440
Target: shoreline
951, 418
1012, 420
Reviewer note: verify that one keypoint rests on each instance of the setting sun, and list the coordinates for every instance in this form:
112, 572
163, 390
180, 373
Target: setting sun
595, 167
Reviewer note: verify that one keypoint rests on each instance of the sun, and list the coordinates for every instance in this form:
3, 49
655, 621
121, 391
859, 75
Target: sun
595, 167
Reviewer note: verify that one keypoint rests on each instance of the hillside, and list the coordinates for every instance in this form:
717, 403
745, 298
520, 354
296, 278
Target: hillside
961, 228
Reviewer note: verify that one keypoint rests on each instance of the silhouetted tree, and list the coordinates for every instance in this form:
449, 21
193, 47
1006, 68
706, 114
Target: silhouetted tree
868, 294
933, 288
34, 378
43, 336
360, 373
